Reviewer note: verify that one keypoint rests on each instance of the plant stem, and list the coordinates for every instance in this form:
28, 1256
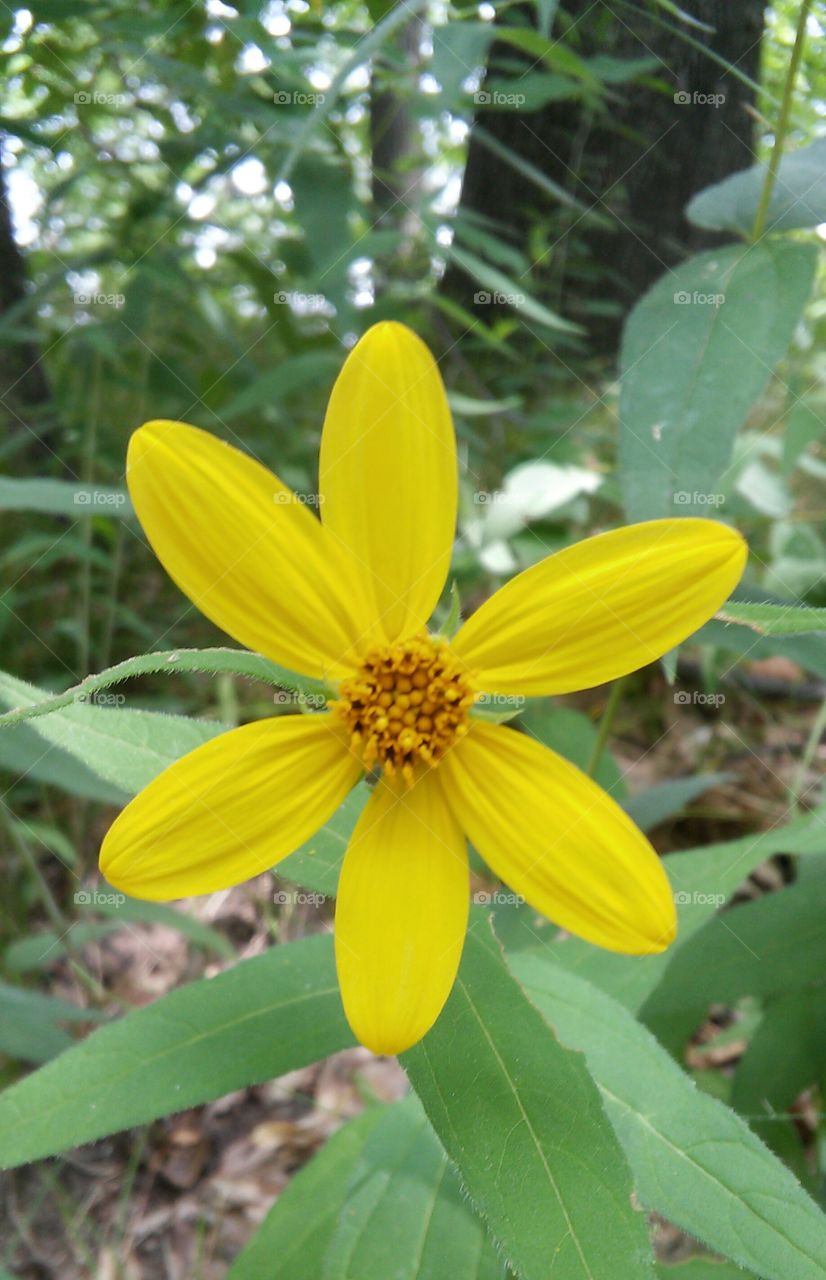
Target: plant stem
782, 126
799, 780
605, 724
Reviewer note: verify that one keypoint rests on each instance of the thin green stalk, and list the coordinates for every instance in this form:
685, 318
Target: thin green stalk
605, 724
87, 475
782, 123
798, 783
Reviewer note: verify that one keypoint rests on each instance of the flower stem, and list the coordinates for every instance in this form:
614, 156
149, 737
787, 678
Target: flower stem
782, 126
605, 724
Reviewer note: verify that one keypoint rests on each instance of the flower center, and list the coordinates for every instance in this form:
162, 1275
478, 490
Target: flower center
407, 705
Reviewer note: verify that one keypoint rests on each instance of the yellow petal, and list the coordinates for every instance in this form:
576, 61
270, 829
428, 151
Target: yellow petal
401, 915
557, 839
388, 474
245, 551
602, 608
230, 809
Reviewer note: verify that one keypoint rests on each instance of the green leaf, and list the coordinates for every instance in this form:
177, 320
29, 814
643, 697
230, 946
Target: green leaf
701, 1269
658, 803
126, 748
405, 1215
293, 1238
521, 1119
777, 943
501, 288
268, 1015
798, 199
24, 753
785, 1056
694, 1161
62, 498
692, 369
317, 864
573, 735
237, 662
30, 1023
774, 619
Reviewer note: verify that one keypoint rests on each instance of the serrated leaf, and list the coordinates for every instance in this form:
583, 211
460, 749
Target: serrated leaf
520, 1118
694, 1161
774, 619
266, 1016
404, 1215
237, 662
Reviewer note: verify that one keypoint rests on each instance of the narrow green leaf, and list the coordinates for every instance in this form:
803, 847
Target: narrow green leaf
697, 351
521, 1119
126, 748
666, 799
268, 1015
501, 287
774, 619
63, 498
238, 662
701, 1269
31, 1023
694, 1161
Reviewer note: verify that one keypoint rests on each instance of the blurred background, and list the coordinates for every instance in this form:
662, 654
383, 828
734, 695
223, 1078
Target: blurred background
202, 205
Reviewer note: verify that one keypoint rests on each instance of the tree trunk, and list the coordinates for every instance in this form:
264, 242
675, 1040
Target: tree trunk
638, 162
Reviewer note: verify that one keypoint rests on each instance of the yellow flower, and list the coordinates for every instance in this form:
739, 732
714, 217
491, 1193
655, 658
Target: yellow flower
347, 599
